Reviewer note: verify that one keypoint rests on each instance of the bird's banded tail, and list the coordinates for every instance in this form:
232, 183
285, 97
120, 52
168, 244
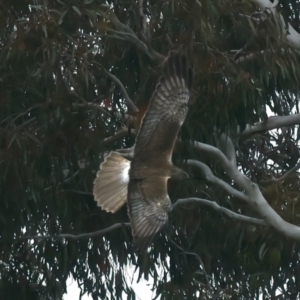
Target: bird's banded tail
110, 185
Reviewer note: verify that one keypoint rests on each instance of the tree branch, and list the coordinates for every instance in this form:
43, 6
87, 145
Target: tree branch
256, 199
127, 34
199, 260
295, 168
143, 17
253, 18
244, 57
91, 106
263, 4
221, 209
209, 176
212, 204
74, 236
272, 123
72, 176
292, 36
129, 103
117, 136
288, 173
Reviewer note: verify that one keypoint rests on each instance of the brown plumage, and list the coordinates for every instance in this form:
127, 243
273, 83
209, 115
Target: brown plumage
151, 166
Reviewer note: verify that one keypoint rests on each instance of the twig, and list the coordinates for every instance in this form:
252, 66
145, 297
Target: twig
72, 177
274, 179
198, 258
257, 20
65, 181
22, 113
131, 106
198, 3
74, 236
221, 209
249, 56
169, 41
295, 168
79, 192
91, 106
132, 38
118, 135
143, 17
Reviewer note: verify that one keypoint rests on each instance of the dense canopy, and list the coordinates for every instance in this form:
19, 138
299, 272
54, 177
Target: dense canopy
73, 72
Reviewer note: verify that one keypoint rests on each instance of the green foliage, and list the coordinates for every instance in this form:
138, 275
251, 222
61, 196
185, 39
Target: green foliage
58, 106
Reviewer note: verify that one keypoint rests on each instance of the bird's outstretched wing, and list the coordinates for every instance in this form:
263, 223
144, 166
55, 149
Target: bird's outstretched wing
166, 112
148, 208
148, 201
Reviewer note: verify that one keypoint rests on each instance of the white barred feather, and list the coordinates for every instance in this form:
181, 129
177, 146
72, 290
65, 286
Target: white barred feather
110, 185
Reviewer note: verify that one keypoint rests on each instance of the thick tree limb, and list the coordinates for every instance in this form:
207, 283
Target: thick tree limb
209, 176
256, 199
273, 123
221, 209
225, 145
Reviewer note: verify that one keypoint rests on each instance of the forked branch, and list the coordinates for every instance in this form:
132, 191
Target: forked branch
255, 198
129, 103
217, 207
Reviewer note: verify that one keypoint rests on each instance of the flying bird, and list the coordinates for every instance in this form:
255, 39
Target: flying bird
143, 181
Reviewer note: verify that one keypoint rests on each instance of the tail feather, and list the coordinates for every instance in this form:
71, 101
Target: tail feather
110, 185
106, 175
107, 191
107, 184
117, 200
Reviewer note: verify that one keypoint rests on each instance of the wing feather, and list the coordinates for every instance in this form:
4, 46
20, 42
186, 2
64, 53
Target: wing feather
147, 208
167, 110
148, 201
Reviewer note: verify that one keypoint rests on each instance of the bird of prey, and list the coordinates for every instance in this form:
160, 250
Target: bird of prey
143, 181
